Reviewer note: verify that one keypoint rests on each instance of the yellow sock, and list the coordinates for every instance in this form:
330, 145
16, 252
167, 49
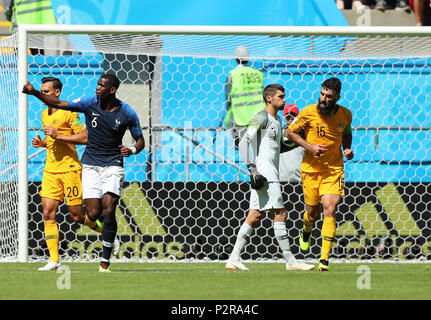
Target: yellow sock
328, 233
92, 224
308, 225
51, 238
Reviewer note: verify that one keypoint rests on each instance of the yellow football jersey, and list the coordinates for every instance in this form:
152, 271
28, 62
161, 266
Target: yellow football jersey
326, 131
62, 156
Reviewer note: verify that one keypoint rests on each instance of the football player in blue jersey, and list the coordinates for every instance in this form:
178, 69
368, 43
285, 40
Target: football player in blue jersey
107, 119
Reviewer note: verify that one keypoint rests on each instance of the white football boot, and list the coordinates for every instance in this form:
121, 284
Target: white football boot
51, 265
236, 265
300, 266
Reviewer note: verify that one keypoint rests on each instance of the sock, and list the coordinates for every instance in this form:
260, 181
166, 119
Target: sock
282, 237
328, 233
51, 238
308, 227
243, 235
108, 237
92, 224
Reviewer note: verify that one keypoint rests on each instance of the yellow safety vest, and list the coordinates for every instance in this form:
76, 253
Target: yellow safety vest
246, 95
34, 12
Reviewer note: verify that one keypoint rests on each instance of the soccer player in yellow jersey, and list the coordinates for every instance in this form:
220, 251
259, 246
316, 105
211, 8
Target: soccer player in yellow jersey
62, 173
327, 128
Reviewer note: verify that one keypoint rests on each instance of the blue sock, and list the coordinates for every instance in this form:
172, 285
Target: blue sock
108, 236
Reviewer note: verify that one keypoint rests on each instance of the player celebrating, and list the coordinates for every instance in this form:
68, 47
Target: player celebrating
264, 134
107, 119
62, 172
327, 128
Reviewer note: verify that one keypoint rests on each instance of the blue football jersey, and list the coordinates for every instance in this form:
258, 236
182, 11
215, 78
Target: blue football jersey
105, 130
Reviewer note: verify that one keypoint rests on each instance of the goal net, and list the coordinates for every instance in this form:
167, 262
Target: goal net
186, 195
8, 148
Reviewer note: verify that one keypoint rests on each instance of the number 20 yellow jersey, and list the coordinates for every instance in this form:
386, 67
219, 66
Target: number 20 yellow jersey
324, 130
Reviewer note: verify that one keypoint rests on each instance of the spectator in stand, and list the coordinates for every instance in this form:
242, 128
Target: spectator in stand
356, 4
400, 5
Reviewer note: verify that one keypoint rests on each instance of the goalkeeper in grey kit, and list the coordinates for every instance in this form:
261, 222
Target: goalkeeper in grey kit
264, 135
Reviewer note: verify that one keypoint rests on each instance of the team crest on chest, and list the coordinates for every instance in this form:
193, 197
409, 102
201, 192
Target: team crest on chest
117, 124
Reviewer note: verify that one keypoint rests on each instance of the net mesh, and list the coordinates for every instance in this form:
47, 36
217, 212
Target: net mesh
186, 195
8, 148
223, 46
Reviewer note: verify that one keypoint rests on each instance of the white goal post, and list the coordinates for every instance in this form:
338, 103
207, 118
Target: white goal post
385, 216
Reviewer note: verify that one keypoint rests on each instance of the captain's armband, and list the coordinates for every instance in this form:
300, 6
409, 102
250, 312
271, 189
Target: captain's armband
347, 131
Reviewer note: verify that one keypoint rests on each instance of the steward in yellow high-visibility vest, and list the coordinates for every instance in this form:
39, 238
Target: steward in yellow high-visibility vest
244, 89
32, 12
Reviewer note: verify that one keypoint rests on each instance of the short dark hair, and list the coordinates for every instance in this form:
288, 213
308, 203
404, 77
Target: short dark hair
271, 89
112, 78
56, 83
333, 84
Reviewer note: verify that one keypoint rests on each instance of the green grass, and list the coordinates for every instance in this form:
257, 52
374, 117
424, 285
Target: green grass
210, 281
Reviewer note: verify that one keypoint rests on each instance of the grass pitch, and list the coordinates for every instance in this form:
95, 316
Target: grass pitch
210, 281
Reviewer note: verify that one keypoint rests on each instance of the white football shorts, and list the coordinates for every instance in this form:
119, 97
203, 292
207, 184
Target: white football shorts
96, 181
269, 197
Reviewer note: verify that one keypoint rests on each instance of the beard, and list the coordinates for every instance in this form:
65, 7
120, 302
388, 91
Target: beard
326, 109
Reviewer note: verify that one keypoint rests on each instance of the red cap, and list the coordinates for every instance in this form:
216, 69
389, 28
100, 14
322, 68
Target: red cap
290, 108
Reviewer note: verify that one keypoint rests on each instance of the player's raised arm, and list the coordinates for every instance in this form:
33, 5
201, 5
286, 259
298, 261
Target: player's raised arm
50, 100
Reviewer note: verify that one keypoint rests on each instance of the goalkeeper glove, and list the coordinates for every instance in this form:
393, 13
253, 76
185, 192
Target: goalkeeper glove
257, 180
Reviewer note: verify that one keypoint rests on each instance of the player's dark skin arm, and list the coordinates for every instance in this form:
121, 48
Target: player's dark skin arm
315, 149
49, 100
139, 145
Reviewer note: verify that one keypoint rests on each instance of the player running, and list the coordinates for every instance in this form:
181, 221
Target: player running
62, 172
264, 134
107, 119
327, 128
